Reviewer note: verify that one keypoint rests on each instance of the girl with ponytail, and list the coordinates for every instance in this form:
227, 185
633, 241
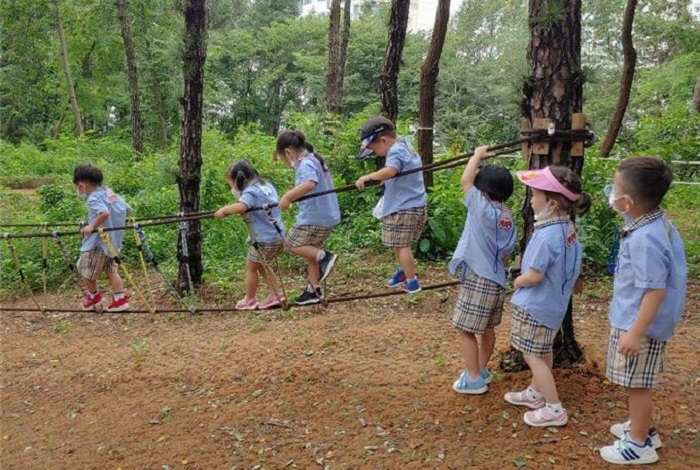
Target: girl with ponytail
253, 191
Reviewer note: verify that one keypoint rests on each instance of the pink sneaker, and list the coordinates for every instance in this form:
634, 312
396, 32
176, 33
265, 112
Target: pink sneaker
92, 303
247, 304
270, 301
545, 417
524, 399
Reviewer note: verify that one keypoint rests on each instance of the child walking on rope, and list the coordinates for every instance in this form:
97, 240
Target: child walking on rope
404, 210
551, 265
487, 241
104, 209
648, 300
316, 216
253, 191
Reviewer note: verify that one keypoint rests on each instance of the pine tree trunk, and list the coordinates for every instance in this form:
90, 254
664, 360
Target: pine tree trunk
696, 96
194, 57
158, 105
67, 73
332, 96
132, 74
554, 90
629, 64
345, 40
388, 80
428, 81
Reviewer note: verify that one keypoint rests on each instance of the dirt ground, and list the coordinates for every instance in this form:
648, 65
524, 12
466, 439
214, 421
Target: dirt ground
358, 385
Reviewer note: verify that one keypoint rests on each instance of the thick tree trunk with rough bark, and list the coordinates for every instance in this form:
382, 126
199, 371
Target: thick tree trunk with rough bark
554, 90
428, 81
158, 105
333, 103
194, 57
388, 80
67, 73
696, 96
629, 64
344, 41
132, 75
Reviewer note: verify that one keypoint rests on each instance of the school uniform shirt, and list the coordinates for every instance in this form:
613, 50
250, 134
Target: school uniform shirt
100, 200
488, 235
257, 195
321, 210
651, 256
403, 192
554, 250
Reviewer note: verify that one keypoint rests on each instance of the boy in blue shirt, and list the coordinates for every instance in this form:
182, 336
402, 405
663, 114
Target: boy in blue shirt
487, 240
648, 300
104, 208
404, 212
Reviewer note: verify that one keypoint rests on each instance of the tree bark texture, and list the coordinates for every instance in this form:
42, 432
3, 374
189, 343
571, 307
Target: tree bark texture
67, 73
628, 67
194, 57
428, 82
132, 75
345, 40
158, 105
388, 80
333, 100
554, 90
696, 96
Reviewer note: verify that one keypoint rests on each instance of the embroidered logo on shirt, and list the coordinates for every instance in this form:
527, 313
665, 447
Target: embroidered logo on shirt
505, 222
111, 196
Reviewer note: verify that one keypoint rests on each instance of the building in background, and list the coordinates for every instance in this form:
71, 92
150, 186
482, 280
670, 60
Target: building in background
421, 14
694, 9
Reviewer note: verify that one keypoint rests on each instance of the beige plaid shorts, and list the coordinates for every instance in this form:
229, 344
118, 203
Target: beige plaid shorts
479, 304
640, 371
308, 235
268, 251
403, 228
92, 263
528, 336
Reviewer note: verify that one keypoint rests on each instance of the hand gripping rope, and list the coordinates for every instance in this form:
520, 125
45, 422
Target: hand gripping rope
115, 255
18, 265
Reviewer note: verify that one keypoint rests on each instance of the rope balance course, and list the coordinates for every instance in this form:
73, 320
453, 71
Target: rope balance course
18, 266
137, 240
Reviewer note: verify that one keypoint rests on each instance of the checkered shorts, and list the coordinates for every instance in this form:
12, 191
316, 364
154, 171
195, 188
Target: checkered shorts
640, 371
268, 251
308, 235
92, 263
479, 304
528, 336
404, 227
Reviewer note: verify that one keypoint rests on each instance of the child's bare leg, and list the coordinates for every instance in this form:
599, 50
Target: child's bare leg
251, 279
90, 284
488, 341
471, 353
309, 252
404, 255
542, 377
115, 281
639, 402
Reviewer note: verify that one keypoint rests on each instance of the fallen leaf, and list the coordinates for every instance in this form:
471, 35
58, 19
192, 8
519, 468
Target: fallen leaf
441, 455
161, 439
257, 393
519, 462
583, 433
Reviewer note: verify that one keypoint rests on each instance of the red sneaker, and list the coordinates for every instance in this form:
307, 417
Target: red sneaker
91, 303
119, 305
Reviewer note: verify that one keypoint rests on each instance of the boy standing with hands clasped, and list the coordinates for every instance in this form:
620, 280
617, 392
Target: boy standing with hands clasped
648, 300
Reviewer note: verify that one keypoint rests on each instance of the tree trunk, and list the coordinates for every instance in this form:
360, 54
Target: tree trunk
629, 63
67, 73
388, 80
333, 103
554, 90
696, 95
194, 57
132, 75
345, 40
158, 105
428, 80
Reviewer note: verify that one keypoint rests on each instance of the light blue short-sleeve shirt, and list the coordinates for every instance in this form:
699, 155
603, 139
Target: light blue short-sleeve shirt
651, 256
488, 235
403, 192
257, 195
100, 200
321, 210
554, 250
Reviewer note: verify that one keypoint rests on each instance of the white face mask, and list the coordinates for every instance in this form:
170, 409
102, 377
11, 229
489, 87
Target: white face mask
611, 201
81, 195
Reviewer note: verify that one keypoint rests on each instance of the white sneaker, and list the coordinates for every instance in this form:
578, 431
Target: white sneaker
524, 399
626, 452
620, 429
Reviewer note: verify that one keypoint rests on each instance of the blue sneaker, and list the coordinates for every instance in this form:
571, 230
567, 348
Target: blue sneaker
465, 384
412, 286
486, 375
397, 279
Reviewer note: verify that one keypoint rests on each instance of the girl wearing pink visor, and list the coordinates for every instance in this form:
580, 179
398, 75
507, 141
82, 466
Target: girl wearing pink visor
550, 267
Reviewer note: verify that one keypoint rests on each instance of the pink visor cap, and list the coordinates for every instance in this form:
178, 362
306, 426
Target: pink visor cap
544, 180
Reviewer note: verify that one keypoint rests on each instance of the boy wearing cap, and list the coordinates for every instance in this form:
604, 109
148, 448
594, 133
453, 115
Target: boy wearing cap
487, 240
404, 212
648, 300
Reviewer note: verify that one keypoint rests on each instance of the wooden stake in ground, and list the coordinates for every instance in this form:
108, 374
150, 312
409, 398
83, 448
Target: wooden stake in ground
67, 72
132, 75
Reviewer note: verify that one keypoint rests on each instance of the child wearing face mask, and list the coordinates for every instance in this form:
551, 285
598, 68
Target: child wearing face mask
550, 267
104, 209
316, 216
648, 300
252, 191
